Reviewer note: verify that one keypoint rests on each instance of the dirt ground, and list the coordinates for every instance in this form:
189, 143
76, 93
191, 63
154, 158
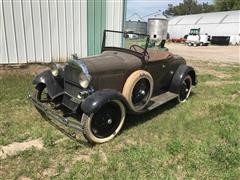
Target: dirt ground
23, 68
226, 54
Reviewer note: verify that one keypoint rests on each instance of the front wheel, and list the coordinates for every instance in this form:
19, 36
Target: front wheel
105, 124
185, 89
42, 96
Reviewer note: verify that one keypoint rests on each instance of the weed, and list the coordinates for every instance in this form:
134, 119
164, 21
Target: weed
174, 147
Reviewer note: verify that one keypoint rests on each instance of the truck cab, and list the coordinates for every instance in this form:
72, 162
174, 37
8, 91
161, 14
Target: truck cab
194, 38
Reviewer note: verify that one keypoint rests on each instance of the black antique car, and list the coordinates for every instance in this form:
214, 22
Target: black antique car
94, 94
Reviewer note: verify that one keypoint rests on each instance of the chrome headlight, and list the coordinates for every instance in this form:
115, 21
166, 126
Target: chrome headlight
84, 80
55, 69
84, 76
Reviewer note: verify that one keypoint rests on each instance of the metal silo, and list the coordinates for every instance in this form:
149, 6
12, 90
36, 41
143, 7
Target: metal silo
157, 28
136, 26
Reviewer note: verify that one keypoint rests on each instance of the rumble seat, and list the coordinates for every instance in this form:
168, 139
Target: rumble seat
157, 55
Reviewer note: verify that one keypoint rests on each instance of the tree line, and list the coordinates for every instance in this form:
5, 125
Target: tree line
193, 7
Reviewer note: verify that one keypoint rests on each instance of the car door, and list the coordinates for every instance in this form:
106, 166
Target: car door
158, 70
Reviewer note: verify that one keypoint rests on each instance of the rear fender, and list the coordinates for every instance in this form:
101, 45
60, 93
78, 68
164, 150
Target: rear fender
95, 101
53, 84
178, 76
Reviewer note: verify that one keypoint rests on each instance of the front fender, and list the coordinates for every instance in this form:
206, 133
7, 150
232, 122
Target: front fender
95, 101
178, 76
53, 84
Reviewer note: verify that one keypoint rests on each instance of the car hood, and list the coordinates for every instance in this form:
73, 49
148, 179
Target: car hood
111, 62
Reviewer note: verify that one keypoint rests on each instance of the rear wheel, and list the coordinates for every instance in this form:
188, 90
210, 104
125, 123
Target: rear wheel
138, 90
185, 89
105, 124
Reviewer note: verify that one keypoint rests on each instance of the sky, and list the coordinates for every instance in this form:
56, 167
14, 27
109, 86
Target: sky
145, 7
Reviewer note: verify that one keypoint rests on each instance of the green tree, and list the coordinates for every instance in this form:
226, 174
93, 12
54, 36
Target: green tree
207, 8
189, 7
227, 5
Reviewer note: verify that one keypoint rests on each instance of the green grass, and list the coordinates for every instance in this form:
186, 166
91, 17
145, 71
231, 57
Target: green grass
233, 71
198, 139
140, 42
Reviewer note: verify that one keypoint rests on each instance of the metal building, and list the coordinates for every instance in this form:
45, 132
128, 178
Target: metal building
225, 23
136, 26
51, 30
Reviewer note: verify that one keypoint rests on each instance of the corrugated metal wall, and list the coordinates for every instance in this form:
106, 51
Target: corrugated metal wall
115, 18
42, 31
49, 30
104, 14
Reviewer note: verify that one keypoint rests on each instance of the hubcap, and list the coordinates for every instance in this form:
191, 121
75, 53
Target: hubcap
109, 121
106, 120
140, 92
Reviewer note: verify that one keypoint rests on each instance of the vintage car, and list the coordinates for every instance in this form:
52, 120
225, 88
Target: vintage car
94, 94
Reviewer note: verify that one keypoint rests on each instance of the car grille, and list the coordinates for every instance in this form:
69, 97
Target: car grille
71, 74
71, 81
71, 86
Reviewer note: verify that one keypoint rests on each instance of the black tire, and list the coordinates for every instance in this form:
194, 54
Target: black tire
105, 124
185, 89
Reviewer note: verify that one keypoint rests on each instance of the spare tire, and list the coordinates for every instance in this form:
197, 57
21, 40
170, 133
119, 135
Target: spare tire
138, 90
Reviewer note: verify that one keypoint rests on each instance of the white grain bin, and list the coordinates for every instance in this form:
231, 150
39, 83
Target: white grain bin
157, 28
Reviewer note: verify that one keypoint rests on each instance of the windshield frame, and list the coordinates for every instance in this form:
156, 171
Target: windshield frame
138, 54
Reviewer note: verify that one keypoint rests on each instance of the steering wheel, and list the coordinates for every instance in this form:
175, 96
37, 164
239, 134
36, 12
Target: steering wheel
139, 49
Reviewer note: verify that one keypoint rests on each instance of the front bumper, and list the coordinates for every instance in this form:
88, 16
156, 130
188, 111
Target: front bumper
54, 117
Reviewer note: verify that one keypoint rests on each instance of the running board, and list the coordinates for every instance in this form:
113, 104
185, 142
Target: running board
160, 99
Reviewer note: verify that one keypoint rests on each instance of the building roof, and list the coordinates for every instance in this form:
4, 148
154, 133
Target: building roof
207, 18
225, 23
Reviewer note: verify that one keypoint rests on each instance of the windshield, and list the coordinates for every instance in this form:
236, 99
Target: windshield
124, 40
194, 31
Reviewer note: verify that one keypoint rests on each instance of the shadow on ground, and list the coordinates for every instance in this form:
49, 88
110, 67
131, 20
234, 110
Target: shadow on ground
135, 120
